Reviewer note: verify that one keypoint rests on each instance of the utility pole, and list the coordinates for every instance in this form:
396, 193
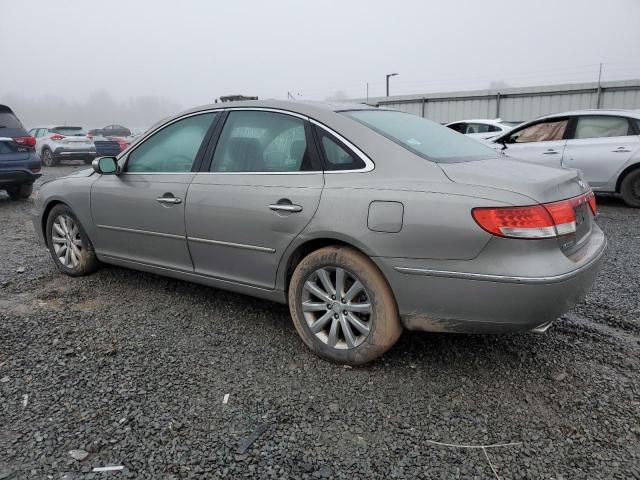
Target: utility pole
367, 92
389, 75
599, 95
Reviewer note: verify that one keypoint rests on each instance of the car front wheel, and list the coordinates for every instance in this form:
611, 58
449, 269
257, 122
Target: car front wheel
70, 247
630, 188
342, 306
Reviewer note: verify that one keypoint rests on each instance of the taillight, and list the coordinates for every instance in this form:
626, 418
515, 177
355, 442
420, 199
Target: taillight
56, 136
27, 141
548, 220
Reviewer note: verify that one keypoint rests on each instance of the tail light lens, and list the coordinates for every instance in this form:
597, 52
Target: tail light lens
547, 220
27, 141
56, 136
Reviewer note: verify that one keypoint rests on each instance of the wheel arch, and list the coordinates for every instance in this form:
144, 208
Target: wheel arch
45, 216
624, 173
298, 250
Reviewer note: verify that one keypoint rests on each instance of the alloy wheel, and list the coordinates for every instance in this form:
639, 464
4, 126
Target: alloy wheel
47, 158
336, 307
65, 236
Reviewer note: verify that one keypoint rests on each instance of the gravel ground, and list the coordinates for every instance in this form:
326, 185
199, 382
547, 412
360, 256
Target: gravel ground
133, 368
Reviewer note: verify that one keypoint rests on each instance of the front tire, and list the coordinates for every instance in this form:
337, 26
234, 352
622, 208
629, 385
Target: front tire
68, 243
20, 192
48, 159
342, 306
630, 188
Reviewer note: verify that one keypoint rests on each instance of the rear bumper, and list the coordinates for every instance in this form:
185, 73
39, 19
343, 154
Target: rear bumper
62, 153
440, 300
17, 177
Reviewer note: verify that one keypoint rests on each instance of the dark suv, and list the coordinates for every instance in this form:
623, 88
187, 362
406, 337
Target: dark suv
19, 162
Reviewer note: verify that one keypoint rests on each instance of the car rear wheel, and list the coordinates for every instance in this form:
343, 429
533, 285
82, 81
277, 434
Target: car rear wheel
342, 306
630, 188
70, 247
48, 159
20, 192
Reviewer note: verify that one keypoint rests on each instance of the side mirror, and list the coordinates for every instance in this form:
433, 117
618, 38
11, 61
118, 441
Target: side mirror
105, 166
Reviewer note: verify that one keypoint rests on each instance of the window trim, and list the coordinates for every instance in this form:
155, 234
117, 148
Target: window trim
213, 143
197, 161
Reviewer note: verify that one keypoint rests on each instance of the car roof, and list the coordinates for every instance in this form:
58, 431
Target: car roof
303, 107
5, 109
595, 111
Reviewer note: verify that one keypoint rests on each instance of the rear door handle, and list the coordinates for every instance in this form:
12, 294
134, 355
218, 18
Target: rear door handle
171, 200
621, 150
277, 207
550, 152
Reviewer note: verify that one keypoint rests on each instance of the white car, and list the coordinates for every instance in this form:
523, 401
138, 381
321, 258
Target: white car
55, 143
603, 144
482, 129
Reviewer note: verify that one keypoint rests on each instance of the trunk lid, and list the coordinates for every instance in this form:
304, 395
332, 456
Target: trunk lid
540, 183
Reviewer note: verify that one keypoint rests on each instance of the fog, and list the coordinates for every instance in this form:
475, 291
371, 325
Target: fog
134, 62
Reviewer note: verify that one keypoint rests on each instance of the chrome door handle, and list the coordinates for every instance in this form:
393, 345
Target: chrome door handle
172, 200
550, 152
278, 207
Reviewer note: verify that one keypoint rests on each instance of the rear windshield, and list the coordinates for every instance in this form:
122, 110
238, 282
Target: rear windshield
423, 137
9, 120
69, 131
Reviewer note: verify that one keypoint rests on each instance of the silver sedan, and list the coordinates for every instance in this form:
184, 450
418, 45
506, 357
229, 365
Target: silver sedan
365, 221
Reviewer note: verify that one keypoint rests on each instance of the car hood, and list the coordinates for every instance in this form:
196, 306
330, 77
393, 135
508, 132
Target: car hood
540, 183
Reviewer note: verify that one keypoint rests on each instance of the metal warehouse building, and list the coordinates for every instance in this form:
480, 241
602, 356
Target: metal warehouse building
515, 104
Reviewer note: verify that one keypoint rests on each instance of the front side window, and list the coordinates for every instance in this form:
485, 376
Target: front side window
423, 137
540, 132
593, 126
258, 141
480, 128
173, 149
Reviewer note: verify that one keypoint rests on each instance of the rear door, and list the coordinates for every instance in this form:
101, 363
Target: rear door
600, 145
140, 212
541, 142
261, 188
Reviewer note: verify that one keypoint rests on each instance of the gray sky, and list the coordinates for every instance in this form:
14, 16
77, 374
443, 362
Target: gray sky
190, 51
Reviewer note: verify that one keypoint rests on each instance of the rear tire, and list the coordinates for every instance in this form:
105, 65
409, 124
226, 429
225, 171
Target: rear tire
20, 192
630, 188
68, 243
48, 159
357, 324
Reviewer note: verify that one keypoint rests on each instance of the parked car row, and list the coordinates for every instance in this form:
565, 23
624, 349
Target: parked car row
56, 143
603, 144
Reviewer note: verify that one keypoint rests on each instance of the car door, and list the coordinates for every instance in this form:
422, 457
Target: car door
540, 142
261, 188
139, 213
599, 146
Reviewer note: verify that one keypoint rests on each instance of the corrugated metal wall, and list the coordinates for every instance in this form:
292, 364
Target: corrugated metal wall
515, 104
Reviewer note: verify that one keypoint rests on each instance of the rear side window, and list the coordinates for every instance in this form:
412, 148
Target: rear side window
9, 120
593, 126
423, 137
336, 155
480, 128
541, 132
258, 141
458, 127
173, 149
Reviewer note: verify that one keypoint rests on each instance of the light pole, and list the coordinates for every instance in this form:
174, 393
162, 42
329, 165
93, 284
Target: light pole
389, 75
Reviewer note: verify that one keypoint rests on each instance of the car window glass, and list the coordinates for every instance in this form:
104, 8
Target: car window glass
493, 128
337, 156
602, 126
9, 120
172, 149
458, 127
257, 141
421, 136
478, 128
541, 132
